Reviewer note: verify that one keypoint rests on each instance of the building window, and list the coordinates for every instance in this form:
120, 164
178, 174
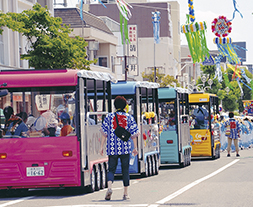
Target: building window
102, 61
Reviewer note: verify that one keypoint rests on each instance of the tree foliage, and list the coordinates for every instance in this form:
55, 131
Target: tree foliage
50, 46
163, 80
231, 100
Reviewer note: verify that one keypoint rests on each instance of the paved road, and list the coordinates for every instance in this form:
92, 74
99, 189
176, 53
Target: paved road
224, 182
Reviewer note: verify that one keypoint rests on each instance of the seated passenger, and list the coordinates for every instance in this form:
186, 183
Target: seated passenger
172, 124
23, 116
201, 115
67, 128
51, 127
30, 122
91, 121
14, 126
40, 126
8, 111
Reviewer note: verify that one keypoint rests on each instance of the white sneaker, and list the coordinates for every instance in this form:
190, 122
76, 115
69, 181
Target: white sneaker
126, 197
108, 194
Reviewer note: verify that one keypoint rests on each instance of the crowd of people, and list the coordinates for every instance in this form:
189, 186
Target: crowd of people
47, 124
235, 131
245, 138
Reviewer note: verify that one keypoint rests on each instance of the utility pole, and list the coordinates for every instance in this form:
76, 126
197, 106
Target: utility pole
126, 68
156, 30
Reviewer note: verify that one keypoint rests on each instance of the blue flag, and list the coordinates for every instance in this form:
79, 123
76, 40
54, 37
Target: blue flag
81, 10
156, 26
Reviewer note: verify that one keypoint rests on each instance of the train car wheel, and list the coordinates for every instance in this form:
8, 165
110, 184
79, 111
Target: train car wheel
146, 168
150, 166
190, 157
103, 177
153, 165
98, 178
92, 186
156, 165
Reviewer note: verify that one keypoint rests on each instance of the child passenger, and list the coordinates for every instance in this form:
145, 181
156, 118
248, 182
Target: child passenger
67, 128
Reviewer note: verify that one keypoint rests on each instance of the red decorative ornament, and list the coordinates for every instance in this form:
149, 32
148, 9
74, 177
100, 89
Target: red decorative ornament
144, 136
221, 27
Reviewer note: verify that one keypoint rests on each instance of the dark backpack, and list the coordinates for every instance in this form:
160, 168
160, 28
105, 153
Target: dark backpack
121, 132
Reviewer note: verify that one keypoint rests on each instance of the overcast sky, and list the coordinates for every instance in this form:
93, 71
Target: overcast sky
207, 10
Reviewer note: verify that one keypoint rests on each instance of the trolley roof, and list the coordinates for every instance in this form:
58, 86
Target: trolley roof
129, 87
47, 78
170, 93
167, 93
200, 97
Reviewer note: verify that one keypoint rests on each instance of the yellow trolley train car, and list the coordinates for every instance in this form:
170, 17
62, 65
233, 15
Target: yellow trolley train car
204, 129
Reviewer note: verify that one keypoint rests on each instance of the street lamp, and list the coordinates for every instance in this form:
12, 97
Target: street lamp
201, 87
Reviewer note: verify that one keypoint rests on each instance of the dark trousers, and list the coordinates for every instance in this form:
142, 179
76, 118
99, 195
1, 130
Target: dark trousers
113, 162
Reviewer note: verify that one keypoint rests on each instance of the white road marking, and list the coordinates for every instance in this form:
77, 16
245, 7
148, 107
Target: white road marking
166, 199
16, 201
85, 205
180, 191
97, 205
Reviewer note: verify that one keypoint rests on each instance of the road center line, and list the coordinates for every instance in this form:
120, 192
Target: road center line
16, 201
180, 191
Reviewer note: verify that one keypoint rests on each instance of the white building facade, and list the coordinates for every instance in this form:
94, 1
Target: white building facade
12, 44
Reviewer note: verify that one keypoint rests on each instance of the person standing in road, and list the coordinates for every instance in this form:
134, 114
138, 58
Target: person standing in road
115, 147
234, 133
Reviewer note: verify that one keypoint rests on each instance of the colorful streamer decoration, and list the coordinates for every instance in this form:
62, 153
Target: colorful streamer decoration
227, 82
218, 72
236, 72
195, 35
125, 14
102, 3
191, 10
221, 27
236, 10
237, 79
156, 26
239, 72
245, 76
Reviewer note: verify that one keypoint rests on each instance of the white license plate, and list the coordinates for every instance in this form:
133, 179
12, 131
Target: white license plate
35, 171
